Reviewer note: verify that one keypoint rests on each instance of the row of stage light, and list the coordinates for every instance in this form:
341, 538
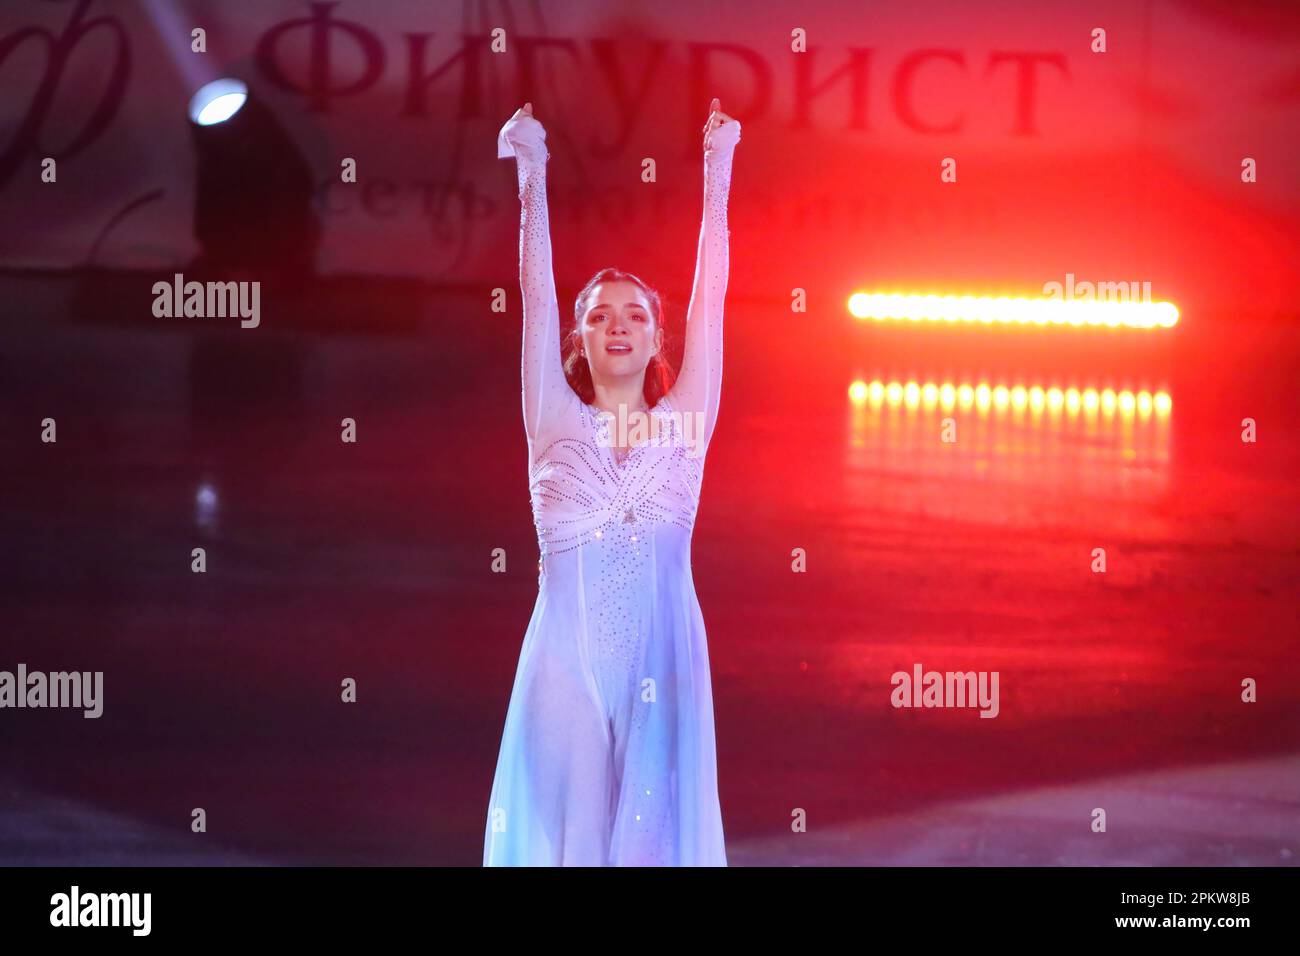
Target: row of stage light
1035, 398
1013, 310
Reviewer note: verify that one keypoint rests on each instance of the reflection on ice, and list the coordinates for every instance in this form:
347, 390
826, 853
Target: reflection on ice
1017, 434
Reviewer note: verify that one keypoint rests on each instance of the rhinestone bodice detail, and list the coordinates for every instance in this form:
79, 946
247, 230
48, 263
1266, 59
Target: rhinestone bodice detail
581, 491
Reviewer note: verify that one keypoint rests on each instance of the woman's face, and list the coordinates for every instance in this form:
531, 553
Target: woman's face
619, 334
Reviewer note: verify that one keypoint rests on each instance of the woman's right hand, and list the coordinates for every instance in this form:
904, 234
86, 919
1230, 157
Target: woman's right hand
523, 136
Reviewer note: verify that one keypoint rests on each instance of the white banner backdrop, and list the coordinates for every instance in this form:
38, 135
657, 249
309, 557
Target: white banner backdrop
1121, 165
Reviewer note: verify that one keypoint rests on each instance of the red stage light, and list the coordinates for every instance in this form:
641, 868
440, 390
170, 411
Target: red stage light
1014, 310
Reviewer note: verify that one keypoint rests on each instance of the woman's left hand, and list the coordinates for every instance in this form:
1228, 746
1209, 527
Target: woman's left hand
721, 132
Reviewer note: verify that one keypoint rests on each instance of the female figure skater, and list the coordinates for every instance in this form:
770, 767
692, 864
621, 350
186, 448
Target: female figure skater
607, 757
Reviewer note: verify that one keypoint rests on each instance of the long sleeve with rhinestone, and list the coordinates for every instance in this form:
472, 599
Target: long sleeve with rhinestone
699, 387
541, 371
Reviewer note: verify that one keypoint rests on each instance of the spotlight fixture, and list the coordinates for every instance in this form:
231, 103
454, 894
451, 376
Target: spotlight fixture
217, 101
253, 209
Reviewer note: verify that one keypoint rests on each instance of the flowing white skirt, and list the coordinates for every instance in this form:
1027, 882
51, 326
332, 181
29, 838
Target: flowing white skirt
608, 754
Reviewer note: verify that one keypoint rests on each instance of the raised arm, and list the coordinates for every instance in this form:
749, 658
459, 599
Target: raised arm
545, 389
698, 388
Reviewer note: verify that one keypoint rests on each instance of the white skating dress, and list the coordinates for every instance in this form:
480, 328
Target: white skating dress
607, 757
